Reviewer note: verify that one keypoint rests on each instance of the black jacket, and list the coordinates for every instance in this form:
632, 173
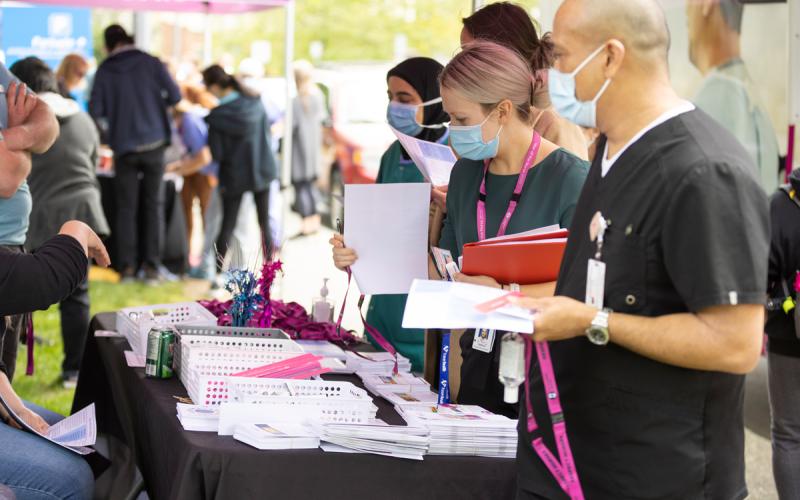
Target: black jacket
784, 262
239, 138
130, 96
32, 282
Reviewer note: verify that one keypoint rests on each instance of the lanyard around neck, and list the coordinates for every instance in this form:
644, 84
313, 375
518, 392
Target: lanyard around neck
530, 157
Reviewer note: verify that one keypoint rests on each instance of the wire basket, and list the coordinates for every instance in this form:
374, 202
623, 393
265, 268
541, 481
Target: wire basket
134, 323
229, 339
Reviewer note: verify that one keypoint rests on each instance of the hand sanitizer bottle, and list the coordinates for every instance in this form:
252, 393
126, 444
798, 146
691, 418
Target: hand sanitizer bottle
321, 309
512, 366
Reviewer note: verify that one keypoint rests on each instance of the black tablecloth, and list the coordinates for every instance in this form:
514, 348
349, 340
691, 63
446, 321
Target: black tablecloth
139, 415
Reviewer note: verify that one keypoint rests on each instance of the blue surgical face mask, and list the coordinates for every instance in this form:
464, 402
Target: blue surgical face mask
562, 95
468, 141
403, 117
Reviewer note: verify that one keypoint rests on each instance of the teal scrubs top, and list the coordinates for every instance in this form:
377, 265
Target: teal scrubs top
386, 311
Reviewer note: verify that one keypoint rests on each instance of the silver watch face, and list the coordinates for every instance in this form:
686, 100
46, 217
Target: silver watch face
597, 335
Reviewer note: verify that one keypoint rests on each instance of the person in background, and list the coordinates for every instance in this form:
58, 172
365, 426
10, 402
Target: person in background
198, 169
509, 24
414, 109
71, 74
783, 348
64, 187
309, 113
27, 125
727, 92
659, 307
239, 137
130, 96
32, 467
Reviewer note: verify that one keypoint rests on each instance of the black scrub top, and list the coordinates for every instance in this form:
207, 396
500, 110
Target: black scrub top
548, 197
689, 229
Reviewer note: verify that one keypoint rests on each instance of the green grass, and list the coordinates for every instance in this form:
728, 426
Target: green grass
44, 387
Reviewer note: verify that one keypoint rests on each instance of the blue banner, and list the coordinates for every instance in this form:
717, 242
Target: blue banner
49, 33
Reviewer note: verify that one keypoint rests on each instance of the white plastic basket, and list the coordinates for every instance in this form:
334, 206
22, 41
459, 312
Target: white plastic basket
226, 343
206, 362
134, 323
266, 390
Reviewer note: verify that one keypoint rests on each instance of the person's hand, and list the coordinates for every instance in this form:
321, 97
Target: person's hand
439, 197
20, 104
33, 419
557, 318
173, 167
93, 246
477, 280
342, 257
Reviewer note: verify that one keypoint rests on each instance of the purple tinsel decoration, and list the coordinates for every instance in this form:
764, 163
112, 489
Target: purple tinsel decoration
268, 273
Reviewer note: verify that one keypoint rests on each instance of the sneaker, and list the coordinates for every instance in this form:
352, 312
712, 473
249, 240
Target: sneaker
69, 379
151, 275
128, 275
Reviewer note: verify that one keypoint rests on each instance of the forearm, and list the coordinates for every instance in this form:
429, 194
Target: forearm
690, 340
539, 289
194, 163
37, 134
9, 396
14, 169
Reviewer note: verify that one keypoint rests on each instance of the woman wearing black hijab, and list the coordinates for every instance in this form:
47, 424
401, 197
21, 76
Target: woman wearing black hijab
414, 109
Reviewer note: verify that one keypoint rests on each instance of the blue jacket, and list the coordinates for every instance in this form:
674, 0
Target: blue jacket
129, 101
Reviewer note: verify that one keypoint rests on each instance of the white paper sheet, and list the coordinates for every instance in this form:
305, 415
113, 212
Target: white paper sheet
108, 334
387, 225
449, 305
79, 429
434, 161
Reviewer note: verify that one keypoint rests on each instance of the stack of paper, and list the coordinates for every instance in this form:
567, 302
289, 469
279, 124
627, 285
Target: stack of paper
323, 348
399, 382
389, 440
464, 430
198, 418
277, 436
399, 399
377, 363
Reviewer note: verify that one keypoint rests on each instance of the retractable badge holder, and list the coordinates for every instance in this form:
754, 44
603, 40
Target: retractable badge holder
596, 272
512, 366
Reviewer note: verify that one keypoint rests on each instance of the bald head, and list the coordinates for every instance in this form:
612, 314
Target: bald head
639, 24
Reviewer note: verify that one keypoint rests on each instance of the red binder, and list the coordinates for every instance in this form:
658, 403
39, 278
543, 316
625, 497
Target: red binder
525, 259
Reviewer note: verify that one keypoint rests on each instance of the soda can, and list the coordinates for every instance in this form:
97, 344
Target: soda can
160, 353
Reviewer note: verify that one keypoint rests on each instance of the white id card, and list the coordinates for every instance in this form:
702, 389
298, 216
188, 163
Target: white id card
484, 340
595, 283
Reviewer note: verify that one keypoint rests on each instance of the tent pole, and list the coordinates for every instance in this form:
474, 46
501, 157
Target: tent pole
207, 38
794, 82
286, 147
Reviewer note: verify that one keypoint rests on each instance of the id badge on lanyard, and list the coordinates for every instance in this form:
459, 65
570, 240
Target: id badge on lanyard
484, 338
596, 272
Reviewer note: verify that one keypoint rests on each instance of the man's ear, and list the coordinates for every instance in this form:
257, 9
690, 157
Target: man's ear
614, 54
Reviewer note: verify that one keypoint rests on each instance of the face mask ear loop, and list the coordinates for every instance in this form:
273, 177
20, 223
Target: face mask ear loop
587, 60
601, 91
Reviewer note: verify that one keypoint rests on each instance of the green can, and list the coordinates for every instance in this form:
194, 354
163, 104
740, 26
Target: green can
160, 351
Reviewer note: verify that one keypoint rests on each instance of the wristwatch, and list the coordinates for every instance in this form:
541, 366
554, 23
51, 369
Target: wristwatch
597, 333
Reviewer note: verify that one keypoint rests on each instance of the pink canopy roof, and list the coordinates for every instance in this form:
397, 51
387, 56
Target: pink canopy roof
213, 7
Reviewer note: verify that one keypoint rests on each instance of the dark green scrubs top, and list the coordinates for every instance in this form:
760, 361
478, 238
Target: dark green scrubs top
386, 311
549, 197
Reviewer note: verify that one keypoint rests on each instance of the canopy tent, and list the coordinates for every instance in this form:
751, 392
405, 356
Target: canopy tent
214, 7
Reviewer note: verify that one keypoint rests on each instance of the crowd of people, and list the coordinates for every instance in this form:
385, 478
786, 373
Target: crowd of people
678, 228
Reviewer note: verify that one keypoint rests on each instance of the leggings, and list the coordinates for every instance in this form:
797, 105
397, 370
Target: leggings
230, 211
784, 398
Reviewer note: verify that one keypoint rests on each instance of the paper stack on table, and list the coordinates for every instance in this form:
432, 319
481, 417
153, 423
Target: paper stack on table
389, 440
464, 430
378, 363
399, 399
399, 382
198, 418
333, 356
277, 436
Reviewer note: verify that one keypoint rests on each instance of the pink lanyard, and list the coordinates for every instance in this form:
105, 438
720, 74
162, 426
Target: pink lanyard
530, 157
563, 469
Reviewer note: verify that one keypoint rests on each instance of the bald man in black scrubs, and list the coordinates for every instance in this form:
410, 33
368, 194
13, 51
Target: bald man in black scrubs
651, 374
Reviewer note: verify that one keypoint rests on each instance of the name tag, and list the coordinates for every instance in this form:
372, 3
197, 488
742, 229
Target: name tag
595, 283
484, 340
